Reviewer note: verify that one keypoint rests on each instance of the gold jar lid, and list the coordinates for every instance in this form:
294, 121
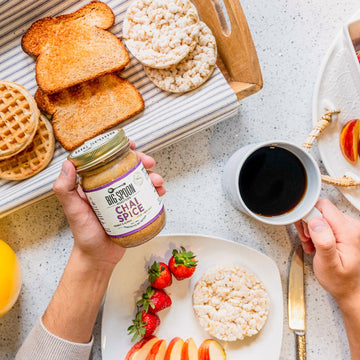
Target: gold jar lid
99, 149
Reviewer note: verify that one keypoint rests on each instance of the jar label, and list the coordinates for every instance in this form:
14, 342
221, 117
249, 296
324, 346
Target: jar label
126, 204
94, 143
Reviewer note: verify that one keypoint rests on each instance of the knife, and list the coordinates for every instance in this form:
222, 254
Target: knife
296, 301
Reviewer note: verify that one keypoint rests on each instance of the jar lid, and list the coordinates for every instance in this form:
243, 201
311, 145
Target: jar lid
98, 149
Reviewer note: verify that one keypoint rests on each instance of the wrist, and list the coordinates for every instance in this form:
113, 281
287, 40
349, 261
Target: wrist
349, 304
72, 311
91, 266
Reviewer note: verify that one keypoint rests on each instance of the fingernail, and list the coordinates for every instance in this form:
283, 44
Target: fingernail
318, 225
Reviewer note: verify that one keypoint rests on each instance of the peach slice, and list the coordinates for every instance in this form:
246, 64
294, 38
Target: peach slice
189, 350
349, 139
173, 351
211, 350
157, 351
141, 349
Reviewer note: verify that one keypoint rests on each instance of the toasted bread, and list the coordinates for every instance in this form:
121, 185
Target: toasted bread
74, 48
86, 110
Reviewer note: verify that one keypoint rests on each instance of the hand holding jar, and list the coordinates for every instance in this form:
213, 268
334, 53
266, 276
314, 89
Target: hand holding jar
89, 235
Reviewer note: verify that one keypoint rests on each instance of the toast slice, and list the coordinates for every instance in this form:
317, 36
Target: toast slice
74, 48
86, 110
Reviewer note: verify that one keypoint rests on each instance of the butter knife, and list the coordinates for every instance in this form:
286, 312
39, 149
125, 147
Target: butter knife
296, 301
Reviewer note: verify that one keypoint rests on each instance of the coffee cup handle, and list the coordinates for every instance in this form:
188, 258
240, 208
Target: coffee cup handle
313, 213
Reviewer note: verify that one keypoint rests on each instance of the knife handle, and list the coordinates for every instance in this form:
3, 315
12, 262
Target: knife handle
300, 347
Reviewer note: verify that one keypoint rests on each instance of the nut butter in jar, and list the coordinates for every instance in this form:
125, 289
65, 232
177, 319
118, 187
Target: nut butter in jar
119, 189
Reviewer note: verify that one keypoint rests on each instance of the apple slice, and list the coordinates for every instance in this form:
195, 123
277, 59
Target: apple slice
173, 352
349, 140
141, 349
189, 350
137, 346
211, 350
157, 352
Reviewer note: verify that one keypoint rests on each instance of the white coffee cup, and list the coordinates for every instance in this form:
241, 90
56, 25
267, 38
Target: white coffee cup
305, 209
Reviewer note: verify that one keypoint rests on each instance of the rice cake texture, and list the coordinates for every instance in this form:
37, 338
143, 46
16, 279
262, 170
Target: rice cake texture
230, 302
192, 71
160, 33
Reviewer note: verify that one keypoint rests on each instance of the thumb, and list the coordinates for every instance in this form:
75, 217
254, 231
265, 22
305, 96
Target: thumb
65, 188
324, 240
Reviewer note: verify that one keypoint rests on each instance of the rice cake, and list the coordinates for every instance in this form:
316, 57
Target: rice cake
160, 33
230, 302
192, 71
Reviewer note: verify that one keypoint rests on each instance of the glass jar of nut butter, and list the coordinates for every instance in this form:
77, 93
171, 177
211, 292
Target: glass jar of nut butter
119, 189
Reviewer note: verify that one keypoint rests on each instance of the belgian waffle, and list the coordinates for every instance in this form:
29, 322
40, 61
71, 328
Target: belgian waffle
19, 118
34, 158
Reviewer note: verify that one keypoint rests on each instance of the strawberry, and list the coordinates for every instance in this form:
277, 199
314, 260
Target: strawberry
144, 325
182, 264
159, 275
154, 300
358, 55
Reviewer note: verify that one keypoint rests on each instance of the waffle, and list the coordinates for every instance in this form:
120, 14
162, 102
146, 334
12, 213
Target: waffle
19, 117
34, 158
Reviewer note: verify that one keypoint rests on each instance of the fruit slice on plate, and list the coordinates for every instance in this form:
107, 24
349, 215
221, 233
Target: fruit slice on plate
211, 350
173, 351
349, 141
141, 349
189, 350
157, 352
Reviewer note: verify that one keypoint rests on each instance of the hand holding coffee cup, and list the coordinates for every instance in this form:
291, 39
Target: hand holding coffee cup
275, 182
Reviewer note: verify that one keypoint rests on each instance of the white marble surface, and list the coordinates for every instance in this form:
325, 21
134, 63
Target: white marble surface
291, 37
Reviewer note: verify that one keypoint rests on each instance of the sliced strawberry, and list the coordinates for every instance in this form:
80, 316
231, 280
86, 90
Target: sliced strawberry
154, 300
182, 264
144, 325
358, 55
159, 275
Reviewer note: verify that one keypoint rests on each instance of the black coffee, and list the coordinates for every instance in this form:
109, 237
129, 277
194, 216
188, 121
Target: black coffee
272, 181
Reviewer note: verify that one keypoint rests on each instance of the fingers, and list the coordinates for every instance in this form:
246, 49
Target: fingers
158, 182
161, 190
331, 213
156, 179
304, 236
65, 189
324, 241
147, 160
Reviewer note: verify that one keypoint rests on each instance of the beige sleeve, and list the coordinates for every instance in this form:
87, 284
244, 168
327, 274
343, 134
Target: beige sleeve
40, 344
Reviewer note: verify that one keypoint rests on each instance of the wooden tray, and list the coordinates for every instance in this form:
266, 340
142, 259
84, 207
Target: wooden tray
237, 58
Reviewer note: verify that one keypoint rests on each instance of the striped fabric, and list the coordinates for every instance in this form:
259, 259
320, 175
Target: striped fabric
166, 119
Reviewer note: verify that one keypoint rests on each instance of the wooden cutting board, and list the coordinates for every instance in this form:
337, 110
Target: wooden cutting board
237, 58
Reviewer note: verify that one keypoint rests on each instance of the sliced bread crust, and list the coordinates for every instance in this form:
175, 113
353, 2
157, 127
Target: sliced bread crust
88, 109
74, 48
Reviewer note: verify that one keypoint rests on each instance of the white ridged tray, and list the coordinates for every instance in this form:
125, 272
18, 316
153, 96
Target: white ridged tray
338, 87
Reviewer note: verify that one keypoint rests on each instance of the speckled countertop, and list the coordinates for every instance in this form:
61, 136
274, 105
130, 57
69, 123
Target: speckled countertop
291, 38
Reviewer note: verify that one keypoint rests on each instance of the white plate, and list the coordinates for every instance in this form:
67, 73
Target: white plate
338, 86
129, 279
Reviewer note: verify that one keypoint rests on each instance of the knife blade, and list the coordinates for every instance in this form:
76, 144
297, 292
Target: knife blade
296, 301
